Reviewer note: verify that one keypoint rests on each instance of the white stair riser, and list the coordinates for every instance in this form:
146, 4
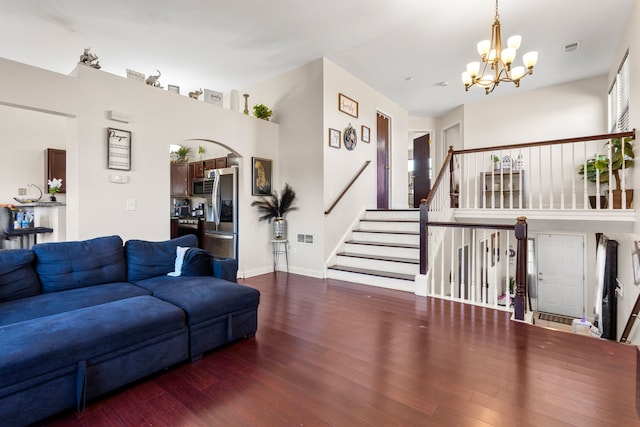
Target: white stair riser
401, 239
393, 215
365, 279
382, 251
412, 227
380, 265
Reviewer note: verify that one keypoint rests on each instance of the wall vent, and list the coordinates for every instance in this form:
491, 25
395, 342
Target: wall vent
571, 47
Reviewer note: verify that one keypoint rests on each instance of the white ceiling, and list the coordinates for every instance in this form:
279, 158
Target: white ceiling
227, 44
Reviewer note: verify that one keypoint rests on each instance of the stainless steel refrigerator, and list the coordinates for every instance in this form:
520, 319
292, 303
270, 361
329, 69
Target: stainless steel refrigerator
221, 225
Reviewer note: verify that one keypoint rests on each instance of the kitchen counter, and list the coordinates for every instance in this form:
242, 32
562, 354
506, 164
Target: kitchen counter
39, 205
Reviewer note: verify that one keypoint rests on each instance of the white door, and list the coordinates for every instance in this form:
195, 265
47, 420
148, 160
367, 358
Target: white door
561, 274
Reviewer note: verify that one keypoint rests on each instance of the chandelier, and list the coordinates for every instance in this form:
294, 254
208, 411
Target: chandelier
496, 61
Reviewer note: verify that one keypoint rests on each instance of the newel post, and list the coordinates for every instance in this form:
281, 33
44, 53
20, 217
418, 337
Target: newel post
521, 267
423, 237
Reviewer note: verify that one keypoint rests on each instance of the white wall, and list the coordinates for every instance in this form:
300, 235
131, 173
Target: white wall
629, 41
96, 207
305, 104
24, 135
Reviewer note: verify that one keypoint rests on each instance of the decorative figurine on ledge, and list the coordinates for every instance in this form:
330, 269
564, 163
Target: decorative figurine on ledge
154, 80
195, 94
87, 58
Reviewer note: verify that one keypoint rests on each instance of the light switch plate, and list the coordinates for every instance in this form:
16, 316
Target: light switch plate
131, 204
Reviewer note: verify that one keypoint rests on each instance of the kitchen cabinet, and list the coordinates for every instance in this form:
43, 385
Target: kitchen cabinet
209, 164
55, 166
180, 179
196, 170
221, 162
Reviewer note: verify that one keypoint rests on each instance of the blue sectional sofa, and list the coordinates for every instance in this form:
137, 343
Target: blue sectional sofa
79, 319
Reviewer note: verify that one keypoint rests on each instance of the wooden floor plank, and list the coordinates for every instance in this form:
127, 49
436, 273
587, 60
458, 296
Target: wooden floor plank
332, 353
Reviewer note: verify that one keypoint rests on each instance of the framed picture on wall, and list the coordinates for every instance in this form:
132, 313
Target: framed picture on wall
365, 134
261, 176
347, 105
118, 149
334, 138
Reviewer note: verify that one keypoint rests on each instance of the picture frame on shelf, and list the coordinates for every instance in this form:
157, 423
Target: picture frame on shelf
135, 75
118, 149
347, 105
213, 97
261, 175
334, 138
173, 89
365, 134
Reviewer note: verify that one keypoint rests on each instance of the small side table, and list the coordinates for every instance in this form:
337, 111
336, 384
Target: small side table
279, 247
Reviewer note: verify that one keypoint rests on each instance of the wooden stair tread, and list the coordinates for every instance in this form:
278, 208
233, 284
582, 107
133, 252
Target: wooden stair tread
391, 220
378, 273
404, 233
380, 258
390, 245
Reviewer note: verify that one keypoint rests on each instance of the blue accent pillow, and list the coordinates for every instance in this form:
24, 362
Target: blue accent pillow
147, 259
18, 279
197, 262
70, 265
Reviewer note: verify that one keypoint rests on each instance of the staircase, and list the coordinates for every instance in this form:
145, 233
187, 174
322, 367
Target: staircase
383, 250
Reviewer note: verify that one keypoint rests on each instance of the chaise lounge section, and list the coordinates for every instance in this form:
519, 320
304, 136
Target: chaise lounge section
79, 319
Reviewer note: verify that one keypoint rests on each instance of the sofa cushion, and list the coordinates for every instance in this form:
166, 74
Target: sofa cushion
69, 265
42, 345
202, 298
62, 301
197, 262
147, 259
18, 279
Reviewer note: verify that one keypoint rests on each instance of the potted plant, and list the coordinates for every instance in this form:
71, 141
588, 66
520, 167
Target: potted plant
274, 207
496, 162
261, 111
182, 154
597, 168
54, 187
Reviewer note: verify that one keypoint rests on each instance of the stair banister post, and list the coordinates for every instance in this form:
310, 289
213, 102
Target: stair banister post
424, 247
521, 267
452, 179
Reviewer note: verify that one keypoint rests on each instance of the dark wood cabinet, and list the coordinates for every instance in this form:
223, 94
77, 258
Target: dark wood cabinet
180, 179
221, 162
196, 170
209, 164
55, 166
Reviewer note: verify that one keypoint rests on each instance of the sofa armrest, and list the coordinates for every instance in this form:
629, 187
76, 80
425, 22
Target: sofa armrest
225, 268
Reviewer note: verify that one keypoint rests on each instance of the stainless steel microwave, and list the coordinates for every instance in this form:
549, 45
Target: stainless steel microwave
202, 187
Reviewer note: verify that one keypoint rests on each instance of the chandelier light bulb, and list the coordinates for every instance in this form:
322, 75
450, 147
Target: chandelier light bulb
508, 55
486, 80
492, 55
483, 47
466, 79
514, 42
530, 59
473, 68
517, 72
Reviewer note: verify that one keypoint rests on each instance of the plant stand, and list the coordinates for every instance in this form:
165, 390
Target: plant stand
279, 247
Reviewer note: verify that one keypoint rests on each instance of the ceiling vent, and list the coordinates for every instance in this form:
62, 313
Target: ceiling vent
571, 47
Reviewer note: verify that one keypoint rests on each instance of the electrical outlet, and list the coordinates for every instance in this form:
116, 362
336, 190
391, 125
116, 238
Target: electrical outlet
22, 191
292, 250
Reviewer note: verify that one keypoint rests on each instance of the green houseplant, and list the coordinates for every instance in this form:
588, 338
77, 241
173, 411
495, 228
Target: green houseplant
261, 111
182, 153
274, 207
598, 166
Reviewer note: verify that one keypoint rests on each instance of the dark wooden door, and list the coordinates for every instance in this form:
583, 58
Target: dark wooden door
421, 169
383, 161
56, 167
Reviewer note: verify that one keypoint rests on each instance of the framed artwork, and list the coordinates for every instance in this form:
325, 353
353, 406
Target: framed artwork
365, 133
261, 176
334, 138
350, 138
213, 97
174, 89
118, 149
347, 105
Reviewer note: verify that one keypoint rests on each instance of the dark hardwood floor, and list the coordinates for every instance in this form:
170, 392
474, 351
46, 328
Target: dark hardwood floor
331, 353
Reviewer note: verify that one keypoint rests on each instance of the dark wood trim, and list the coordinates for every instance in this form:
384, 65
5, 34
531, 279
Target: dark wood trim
631, 134
353, 180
